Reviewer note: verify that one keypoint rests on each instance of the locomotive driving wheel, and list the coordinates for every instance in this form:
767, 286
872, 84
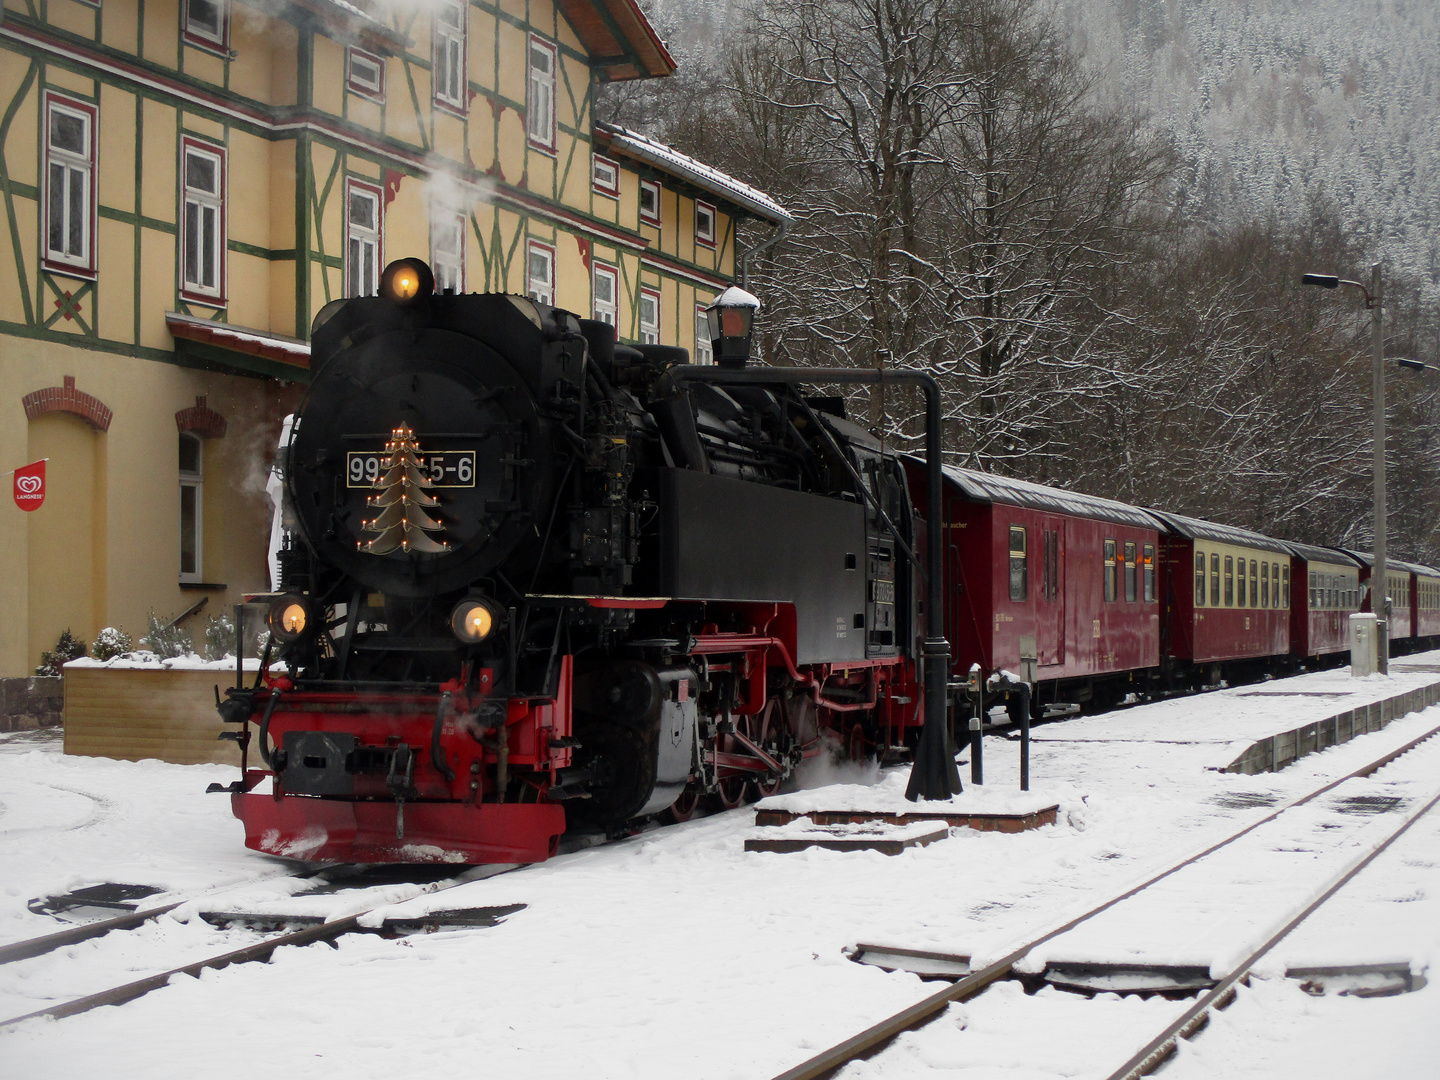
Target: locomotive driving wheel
855, 748
766, 731
733, 790
683, 808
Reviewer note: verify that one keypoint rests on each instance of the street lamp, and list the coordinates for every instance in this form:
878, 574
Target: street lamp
1378, 581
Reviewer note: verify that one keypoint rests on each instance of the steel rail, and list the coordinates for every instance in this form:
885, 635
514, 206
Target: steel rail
260, 950
39, 946
130, 991
928, 1008
1149, 1058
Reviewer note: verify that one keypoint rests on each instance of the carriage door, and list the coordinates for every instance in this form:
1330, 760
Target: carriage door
1050, 604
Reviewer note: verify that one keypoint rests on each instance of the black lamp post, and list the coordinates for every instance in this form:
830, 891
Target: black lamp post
1379, 590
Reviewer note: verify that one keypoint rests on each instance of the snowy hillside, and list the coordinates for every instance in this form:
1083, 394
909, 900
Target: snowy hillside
1271, 102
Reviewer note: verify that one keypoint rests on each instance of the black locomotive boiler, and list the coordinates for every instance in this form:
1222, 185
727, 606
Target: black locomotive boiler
533, 577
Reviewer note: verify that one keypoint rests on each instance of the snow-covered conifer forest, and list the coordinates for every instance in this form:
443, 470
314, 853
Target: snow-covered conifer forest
1090, 218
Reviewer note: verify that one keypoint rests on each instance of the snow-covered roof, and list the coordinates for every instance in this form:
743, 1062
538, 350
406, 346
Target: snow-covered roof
344, 15
1367, 560
985, 487
1312, 553
644, 148
1200, 529
619, 38
259, 343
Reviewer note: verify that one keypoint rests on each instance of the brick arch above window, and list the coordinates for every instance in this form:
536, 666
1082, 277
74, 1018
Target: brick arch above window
69, 400
201, 420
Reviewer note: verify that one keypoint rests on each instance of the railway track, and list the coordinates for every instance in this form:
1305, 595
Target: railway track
313, 928
1244, 956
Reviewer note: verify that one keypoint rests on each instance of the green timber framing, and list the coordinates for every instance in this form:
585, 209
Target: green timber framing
26, 35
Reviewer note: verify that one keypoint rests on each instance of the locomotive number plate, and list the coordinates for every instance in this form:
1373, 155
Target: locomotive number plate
445, 468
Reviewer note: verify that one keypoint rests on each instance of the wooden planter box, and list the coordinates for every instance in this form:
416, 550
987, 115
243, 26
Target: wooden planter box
133, 713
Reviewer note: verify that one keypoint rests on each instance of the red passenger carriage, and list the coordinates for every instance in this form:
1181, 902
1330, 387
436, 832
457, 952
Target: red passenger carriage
1328, 593
1066, 579
1228, 594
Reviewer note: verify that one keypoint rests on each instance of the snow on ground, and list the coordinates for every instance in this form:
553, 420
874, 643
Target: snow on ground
677, 953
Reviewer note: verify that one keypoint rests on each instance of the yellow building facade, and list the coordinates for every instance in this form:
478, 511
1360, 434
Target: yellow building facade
185, 183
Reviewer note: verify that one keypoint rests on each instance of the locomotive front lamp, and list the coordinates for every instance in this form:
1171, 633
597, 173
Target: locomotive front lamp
472, 621
731, 317
406, 280
288, 619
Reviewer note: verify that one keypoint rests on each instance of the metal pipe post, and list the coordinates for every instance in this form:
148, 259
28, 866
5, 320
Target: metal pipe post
934, 775
977, 749
1025, 737
1379, 583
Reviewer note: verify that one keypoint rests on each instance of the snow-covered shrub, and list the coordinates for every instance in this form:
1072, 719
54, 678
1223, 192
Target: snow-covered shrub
219, 637
66, 649
166, 641
110, 643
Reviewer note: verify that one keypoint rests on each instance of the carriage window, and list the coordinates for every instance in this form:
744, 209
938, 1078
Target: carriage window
1019, 577
1275, 585
1214, 580
1240, 590
1149, 562
1313, 601
1230, 580
1286, 585
1130, 571
1264, 584
1199, 578
1254, 583
1109, 570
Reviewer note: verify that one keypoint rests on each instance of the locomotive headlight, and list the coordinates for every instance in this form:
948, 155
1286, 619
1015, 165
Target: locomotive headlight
472, 621
406, 280
289, 618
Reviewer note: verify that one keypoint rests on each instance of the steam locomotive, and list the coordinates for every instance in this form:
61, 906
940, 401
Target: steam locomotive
533, 579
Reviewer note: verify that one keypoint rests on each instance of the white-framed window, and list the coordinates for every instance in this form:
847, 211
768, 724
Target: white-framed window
448, 54
540, 106
704, 224
192, 481
447, 250
605, 176
649, 316
364, 249
540, 272
365, 73
704, 347
69, 223
605, 283
650, 202
202, 221
207, 23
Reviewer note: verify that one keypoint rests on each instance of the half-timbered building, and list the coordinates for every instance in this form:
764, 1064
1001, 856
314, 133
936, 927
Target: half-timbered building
185, 183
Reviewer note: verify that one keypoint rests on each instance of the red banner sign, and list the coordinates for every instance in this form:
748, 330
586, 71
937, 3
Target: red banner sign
30, 486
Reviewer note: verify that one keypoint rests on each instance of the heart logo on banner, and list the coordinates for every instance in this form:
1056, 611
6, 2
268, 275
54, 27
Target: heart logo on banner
30, 486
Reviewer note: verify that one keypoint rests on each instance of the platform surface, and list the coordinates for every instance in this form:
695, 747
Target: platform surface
1233, 719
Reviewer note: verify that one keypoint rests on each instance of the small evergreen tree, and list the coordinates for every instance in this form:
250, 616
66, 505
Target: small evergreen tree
110, 643
66, 649
166, 641
219, 637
